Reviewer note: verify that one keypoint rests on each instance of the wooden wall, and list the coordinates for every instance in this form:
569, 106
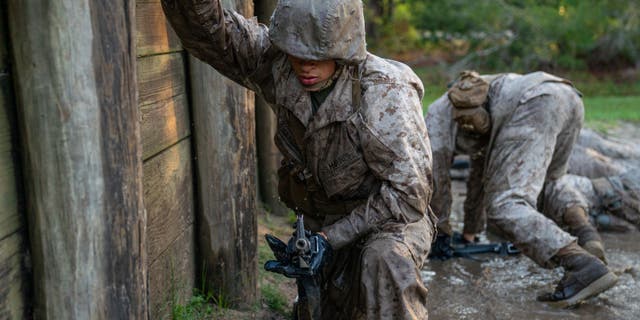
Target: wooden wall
167, 153
224, 130
75, 76
12, 248
87, 162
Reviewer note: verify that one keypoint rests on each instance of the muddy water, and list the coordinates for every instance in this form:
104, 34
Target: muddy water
506, 287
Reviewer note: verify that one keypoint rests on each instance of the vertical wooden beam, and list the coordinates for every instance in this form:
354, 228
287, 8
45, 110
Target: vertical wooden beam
224, 132
13, 276
83, 158
269, 156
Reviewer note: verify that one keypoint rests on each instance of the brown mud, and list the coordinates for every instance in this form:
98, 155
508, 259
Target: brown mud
507, 287
498, 287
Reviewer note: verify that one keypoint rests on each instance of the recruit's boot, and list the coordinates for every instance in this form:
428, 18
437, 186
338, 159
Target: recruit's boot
585, 276
579, 226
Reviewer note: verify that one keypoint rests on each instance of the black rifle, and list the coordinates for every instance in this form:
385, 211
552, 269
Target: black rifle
299, 259
307, 305
447, 247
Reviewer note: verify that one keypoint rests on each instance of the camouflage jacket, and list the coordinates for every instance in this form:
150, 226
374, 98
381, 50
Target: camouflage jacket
362, 162
506, 93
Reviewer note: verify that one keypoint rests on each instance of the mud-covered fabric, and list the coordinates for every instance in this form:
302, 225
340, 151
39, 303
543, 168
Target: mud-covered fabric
356, 170
320, 30
535, 119
377, 278
566, 192
475, 218
617, 195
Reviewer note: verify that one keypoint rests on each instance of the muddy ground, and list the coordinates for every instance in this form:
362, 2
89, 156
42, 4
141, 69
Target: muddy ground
506, 287
500, 287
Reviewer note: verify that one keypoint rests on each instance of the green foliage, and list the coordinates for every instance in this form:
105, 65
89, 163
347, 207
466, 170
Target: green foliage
199, 307
271, 295
390, 29
612, 109
274, 299
203, 303
513, 35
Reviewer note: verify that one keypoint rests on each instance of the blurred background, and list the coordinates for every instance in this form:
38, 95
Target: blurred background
594, 43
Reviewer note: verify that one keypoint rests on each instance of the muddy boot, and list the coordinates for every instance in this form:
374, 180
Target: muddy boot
579, 226
584, 276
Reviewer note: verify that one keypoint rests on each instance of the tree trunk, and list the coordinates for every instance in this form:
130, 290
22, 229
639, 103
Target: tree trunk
75, 66
224, 132
268, 154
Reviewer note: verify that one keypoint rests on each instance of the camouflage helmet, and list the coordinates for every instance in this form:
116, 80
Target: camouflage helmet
320, 29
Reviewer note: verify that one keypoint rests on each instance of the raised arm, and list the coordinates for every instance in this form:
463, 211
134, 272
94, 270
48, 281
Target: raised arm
474, 215
442, 139
236, 47
396, 148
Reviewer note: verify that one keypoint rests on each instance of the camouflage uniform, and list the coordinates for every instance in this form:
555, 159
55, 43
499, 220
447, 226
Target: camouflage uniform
535, 120
359, 167
618, 195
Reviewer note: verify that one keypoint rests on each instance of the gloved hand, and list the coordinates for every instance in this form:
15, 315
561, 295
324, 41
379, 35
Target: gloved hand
441, 248
288, 263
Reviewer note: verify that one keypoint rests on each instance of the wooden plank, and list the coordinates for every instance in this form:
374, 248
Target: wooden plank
269, 156
164, 124
154, 35
224, 132
12, 281
168, 197
4, 39
10, 220
163, 102
12, 276
160, 77
172, 276
76, 74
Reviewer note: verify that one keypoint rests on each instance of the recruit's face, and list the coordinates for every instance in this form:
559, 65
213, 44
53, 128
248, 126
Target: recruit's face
310, 72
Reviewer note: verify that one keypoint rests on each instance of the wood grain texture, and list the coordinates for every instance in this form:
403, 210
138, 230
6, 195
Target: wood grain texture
13, 277
268, 155
163, 102
168, 197
154, 34
12, 282
79, 124
10, 218
171, 276
224, 131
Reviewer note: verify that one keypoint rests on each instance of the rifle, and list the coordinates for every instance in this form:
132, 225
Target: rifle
446, 247
301, 259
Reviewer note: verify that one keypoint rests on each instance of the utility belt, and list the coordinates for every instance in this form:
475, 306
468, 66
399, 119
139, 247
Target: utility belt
299, 190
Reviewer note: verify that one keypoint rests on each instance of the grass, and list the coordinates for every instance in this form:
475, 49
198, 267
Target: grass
274, 299
270, 283
606, 101
198, 307
204, 304
610, 109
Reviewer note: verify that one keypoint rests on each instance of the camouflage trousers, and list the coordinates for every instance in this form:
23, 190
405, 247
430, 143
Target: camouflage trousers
530, 150
379, 276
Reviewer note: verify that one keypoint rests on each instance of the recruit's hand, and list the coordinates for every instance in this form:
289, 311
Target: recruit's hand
319, 255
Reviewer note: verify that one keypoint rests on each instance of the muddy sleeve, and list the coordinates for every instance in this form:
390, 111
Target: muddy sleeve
235, 46
474, 214
442, 139
396, 148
